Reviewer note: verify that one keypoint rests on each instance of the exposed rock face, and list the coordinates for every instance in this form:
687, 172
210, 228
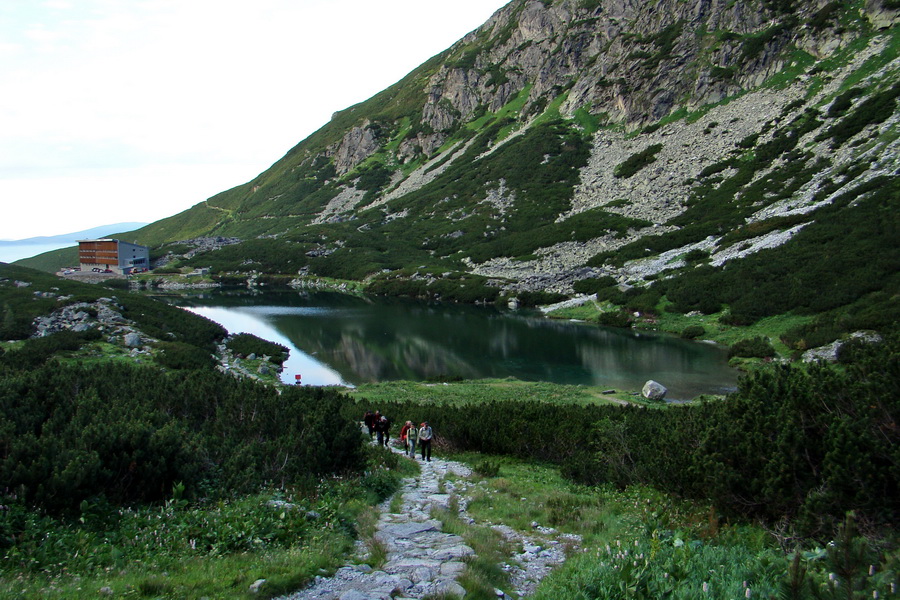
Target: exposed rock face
620, 58
357, 145
879, 16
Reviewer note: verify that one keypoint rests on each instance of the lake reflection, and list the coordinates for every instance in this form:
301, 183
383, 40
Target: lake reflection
337, 339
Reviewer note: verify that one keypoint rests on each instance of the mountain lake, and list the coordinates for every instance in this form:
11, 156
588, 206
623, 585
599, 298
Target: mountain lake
341, 339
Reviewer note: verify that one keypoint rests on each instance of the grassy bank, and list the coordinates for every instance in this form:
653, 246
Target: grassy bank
461, 393
695, 325
639, 543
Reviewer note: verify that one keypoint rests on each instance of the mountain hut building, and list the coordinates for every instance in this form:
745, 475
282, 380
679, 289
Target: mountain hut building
108, 255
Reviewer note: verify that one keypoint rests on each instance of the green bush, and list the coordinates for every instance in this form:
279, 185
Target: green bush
643, 300
843, 102
616, 318
36, 351
692, 332
531, 299
117, 284
247, 344
178, 355
696, 255
758, 347
877, 108
129, 434
637, 161
166, 270
463, 288
594, 285
792, 277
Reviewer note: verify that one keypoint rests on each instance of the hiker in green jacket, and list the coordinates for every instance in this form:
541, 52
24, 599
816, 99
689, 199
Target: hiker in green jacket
412, 436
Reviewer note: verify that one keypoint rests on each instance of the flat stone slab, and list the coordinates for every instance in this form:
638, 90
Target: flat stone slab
452, 552
406, 530
410, 564
442, 500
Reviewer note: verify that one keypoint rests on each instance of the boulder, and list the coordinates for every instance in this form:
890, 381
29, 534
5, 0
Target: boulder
133, 340
654, 391
449, 589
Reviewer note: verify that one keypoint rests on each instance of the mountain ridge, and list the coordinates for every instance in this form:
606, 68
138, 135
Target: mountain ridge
587, 146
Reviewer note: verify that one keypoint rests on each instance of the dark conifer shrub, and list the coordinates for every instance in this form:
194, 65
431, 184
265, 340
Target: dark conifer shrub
758, 347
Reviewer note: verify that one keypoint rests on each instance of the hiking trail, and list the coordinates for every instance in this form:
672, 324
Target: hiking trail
422, 560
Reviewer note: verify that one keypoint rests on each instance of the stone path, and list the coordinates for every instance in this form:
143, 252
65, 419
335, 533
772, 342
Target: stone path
424, 561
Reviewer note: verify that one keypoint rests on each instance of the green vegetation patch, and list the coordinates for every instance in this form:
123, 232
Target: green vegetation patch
247, 344
793, 277
875, 109
206, 547
637, 161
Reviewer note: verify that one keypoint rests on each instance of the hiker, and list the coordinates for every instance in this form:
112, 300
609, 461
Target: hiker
376, 419
411, 436
369, 420
404, 432
425, 435
382, 427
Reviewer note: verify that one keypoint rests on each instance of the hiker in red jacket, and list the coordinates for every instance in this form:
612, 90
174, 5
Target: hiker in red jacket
404, 432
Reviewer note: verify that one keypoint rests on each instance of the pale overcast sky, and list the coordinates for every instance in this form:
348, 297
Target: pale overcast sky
135, 110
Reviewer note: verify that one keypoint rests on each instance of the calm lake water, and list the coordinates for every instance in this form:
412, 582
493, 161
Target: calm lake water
337, 339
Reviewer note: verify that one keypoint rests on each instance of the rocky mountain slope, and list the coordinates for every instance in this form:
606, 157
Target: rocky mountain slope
574, 146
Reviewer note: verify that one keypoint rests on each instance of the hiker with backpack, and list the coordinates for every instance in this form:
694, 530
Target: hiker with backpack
382, 427
425, 435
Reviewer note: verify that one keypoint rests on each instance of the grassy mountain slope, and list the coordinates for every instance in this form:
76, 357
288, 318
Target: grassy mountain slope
726, 156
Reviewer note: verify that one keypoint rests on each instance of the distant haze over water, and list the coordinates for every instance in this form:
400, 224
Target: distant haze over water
12, 250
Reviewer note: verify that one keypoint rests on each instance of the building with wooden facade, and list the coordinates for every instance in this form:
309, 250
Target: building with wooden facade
108, 255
